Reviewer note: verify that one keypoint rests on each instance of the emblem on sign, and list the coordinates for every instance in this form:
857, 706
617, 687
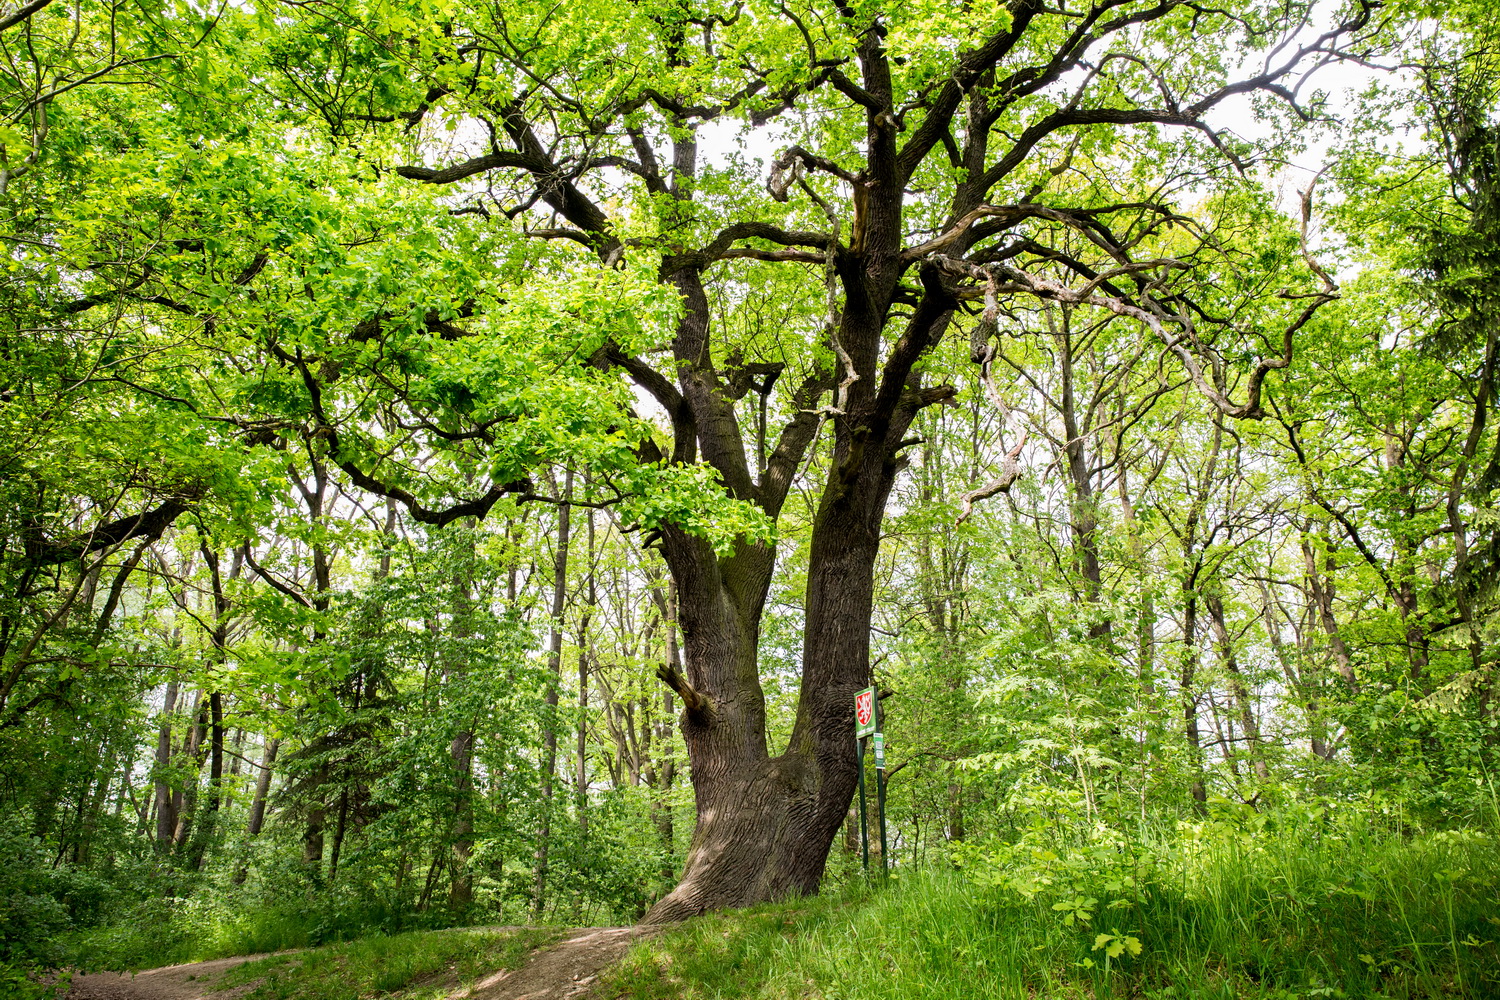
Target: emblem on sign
864, 712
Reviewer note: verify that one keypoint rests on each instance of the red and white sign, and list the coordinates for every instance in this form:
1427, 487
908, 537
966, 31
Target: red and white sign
864, 712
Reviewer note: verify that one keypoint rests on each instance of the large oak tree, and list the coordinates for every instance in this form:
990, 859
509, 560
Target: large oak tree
927, 160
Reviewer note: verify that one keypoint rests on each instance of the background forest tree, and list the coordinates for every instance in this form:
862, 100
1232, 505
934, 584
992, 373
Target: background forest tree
458, 462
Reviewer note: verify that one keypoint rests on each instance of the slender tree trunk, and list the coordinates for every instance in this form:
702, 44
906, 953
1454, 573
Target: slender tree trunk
939, 579
312, 838
166, 816
1320, 586
1146, 619
219, 642
208, 821
237, 756
1191, 655
461, 754
339, 826
1226, 741
461, 748
96, 807
1463, 576
1404, 591
1084, 516
314, 496
1238, 688
955, 794
1189, 682
258, 802
554, 664
1297, 682
432, 877
580, 774
665, 767
185, 799
262, 788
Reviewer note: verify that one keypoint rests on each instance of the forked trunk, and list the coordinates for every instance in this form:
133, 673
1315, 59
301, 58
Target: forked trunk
766, 824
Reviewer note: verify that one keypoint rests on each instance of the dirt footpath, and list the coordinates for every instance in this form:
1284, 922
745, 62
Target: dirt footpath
565, 971
568, 969
172, 982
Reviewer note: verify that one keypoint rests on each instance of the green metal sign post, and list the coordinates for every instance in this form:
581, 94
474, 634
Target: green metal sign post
867, 723
864, 725
885, 865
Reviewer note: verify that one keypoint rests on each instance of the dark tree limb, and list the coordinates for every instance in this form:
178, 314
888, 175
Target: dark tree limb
148, 524
475, 165
1010, 471
696, 703
10, 20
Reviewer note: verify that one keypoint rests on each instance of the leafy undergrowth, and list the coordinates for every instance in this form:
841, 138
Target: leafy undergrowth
216, 924
1268, 917
415, 966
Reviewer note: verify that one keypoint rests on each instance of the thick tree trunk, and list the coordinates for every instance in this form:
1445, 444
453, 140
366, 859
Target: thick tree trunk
765, 825
740, 794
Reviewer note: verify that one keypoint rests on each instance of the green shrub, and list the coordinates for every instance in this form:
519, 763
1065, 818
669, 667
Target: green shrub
31, 914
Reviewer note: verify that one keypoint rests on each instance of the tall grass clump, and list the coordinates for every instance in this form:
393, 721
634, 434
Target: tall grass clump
1289, 905
420, 965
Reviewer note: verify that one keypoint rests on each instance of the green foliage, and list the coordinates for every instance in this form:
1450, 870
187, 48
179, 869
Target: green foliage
225, 287
31, 913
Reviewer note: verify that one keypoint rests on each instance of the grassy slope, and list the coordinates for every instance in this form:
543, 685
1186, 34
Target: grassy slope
1268, 918
421, 965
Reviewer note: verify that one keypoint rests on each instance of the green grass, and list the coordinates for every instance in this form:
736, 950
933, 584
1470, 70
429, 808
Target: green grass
1269, 915
420, 965
209, 925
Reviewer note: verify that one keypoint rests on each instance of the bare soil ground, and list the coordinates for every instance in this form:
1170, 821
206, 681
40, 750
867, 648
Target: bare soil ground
172, 982
565, 971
